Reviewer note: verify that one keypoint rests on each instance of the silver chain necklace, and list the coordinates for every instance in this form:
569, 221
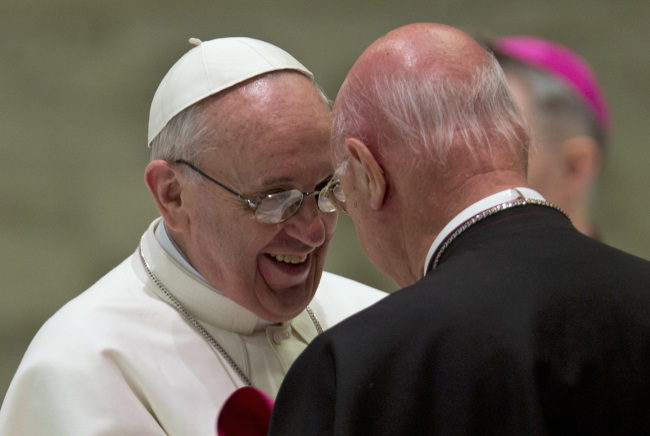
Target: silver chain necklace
486, 213
198, 327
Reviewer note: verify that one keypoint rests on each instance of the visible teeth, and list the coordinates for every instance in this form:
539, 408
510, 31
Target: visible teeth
289, 259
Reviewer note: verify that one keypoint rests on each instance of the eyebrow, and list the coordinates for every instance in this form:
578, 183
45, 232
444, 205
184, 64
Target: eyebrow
277, 181
274, 181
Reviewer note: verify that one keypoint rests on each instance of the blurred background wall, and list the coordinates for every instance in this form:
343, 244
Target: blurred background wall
77, 78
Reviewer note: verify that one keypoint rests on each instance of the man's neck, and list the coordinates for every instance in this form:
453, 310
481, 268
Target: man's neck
475, 209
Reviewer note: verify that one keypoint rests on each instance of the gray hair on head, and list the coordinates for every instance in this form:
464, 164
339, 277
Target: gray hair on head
429, 115
558, 112
182, 136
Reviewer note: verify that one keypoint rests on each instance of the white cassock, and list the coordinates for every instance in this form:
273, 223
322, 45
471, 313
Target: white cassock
119, 359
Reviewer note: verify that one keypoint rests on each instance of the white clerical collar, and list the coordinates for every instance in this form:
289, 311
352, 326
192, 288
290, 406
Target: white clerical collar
475, 209
168, 244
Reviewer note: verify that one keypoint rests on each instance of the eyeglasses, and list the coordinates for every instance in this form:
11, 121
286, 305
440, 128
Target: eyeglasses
333, 191
280, 206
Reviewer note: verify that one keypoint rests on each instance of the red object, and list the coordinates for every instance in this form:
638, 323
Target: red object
247, 412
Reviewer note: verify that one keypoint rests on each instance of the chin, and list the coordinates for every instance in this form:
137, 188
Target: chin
288, 303
283, 315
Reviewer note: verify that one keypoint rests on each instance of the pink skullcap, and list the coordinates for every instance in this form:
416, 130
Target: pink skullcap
563, 64
247, 412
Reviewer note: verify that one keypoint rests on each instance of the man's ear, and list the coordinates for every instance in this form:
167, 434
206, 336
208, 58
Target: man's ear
371, 172
581, 160
162, 179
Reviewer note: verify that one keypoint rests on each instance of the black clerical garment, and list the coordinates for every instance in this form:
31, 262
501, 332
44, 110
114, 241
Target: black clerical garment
525, 327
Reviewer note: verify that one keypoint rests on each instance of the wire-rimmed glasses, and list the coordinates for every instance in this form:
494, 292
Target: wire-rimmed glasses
280, 206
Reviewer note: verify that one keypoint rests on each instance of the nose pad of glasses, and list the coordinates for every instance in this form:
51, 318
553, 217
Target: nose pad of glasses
325, 203
279, 207
333, 199
339, 196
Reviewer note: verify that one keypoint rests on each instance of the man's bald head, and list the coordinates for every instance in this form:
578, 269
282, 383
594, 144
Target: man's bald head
426, 126
422, 48
431, 88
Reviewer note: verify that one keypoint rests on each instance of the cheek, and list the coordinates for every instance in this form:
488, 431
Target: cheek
329, 221
228, 241
351, 190
370, 244
235, 251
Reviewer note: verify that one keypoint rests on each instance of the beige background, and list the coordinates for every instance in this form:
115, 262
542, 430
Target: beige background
77, 77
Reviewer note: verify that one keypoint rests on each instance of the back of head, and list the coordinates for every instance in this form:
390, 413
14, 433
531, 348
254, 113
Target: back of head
427, 121
565, 94
559, 94
429, 91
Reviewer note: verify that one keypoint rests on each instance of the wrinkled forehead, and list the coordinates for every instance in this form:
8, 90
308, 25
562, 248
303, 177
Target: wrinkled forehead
272, 98
277, 125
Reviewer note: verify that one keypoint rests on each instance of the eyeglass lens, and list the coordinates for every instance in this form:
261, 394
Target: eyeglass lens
334, 196
279, 207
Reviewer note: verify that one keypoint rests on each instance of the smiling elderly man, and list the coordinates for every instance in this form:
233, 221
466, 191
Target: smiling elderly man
215, 297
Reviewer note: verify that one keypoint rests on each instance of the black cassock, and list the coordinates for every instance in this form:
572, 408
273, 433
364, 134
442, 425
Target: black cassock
525, 327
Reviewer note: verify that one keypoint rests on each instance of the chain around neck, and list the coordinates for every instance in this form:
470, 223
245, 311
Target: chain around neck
522, 201
199, 328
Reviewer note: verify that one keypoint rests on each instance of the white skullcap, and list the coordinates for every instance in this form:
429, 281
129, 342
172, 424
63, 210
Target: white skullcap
211, 67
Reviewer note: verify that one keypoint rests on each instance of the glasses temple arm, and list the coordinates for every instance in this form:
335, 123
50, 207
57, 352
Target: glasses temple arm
233, 192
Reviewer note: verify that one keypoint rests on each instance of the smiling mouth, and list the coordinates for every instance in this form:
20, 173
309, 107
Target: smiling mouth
286, 258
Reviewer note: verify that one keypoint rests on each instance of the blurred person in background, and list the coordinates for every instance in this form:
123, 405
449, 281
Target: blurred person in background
566, 108
216, 295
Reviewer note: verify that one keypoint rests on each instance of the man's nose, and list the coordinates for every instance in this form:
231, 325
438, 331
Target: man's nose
307, 224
